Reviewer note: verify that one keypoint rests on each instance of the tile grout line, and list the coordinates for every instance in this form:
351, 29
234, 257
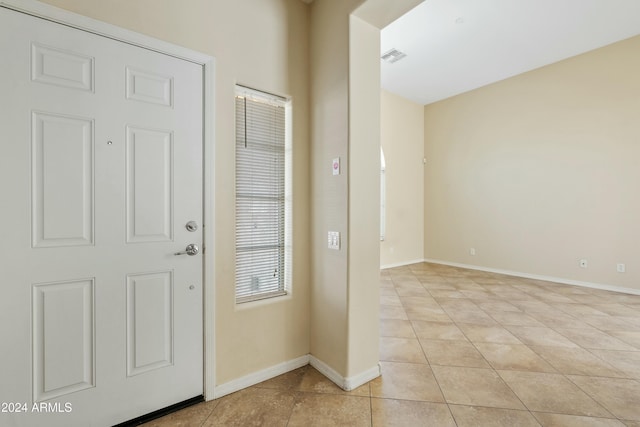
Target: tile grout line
485, 359
429, 363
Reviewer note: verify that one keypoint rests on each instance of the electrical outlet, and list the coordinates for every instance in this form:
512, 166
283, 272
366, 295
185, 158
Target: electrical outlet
621, 268
472, 251
583, 263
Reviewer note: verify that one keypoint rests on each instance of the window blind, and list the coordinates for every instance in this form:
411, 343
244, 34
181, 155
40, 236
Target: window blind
260, 195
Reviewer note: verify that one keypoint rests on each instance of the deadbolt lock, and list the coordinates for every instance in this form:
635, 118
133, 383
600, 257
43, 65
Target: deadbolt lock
191, 226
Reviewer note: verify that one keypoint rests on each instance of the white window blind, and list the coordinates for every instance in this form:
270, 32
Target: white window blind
261, 193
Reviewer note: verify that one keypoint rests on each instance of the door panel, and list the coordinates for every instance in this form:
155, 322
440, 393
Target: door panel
100, 170
62, 169
145, 86
57, 67
149, 321
63, 338
149, 178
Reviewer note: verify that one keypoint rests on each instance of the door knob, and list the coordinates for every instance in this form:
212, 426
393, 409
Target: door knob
191, 250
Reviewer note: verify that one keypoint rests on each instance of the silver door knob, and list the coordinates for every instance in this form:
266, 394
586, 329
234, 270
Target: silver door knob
191, 250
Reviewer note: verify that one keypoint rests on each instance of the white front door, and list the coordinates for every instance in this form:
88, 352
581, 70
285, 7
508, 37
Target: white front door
100, 172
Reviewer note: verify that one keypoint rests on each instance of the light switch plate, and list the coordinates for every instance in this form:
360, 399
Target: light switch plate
333, 240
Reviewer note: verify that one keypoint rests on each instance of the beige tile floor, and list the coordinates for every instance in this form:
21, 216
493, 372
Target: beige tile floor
467, 348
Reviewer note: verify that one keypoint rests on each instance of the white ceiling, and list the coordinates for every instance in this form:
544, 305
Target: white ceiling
454, 46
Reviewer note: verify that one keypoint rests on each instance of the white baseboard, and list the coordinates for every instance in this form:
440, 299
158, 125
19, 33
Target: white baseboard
349, 383
328, 371
538, 277
355, 381
257, 377
400, 264
346, 384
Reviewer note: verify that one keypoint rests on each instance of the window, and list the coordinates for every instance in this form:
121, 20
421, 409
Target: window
263, 196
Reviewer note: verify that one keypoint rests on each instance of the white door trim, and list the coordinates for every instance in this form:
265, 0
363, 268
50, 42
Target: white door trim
51, 13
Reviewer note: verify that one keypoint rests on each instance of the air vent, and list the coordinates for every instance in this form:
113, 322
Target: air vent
393, 55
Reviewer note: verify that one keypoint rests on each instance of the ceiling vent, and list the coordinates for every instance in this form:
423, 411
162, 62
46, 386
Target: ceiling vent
393, 55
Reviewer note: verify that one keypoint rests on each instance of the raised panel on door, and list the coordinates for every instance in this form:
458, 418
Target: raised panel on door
146, 86
62, 180
149, 185
61, 67
149, 321
63, 338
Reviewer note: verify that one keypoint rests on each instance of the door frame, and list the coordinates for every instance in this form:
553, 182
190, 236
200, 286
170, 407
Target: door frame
74, 20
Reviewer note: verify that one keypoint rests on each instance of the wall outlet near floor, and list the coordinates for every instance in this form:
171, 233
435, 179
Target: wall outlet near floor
621, 268
472, 251
583, 263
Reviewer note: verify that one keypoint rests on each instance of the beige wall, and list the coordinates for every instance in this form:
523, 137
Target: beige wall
330, 139
263, 44
364, 197
402, 137
345, 118
541, 170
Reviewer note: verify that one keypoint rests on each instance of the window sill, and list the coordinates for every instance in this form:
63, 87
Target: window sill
258, 301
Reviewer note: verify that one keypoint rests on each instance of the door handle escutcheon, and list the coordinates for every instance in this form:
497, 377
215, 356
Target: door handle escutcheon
191, 250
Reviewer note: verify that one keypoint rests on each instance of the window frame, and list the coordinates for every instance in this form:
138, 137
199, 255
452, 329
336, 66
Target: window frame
242, 296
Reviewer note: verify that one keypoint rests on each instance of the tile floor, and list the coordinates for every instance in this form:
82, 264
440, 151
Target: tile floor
467, 348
